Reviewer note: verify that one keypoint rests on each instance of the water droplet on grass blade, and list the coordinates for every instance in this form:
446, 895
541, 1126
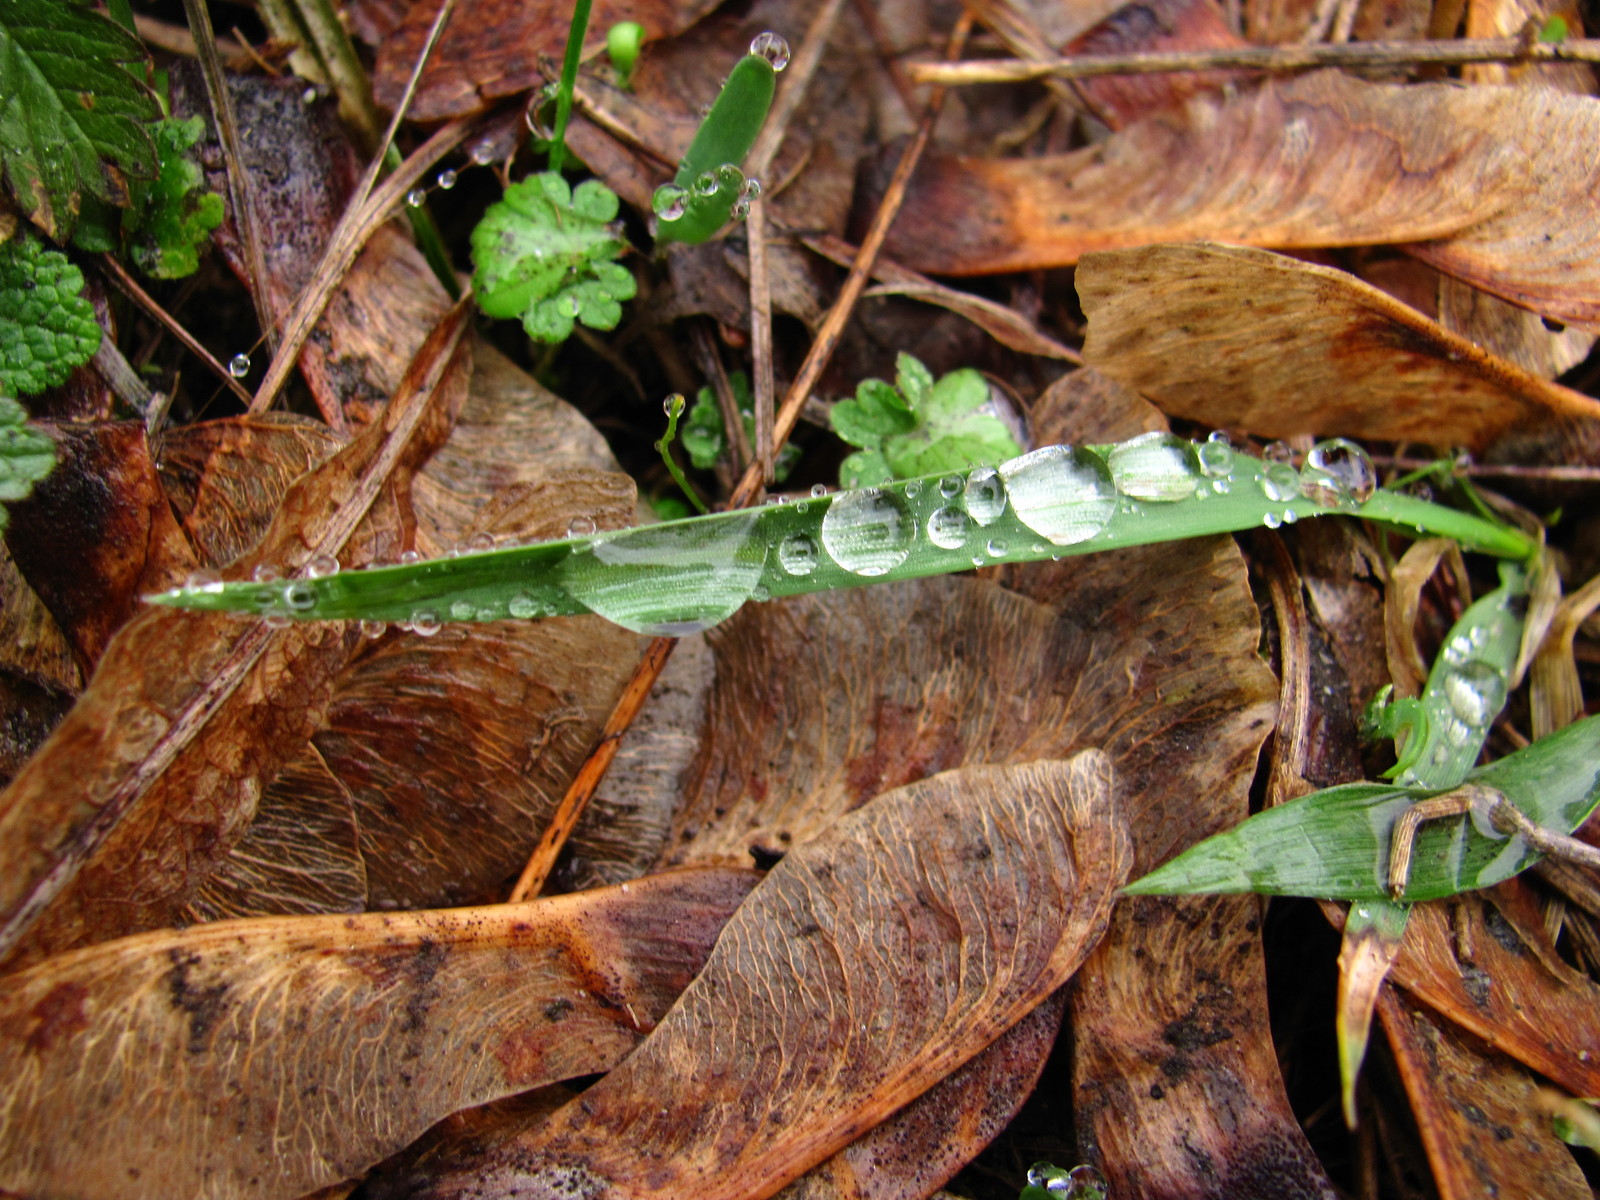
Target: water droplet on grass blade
1064, 495
523, 606
868, 532
1475, 692
984, 495
425, 622
407, 557
1154, 466
772, 47
462, 610
669, 201
300, 596
949, 486
321, 566
580, 527
417, 197
373, 629
447, 179
1216, 455
1280, 482
266, 573
797, 554
947, 528
1338, 474
239, 366
706, 185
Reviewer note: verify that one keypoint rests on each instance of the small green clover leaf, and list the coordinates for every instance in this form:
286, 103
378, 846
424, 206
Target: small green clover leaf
544, 253
919, 426
46, 326
705, 437
170, 218
26, 454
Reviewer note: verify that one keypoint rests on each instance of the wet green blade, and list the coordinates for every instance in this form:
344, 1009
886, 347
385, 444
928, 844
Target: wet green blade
722, 141
681, 576
1334, 844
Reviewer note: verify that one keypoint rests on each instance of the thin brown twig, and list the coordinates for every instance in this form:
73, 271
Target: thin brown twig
129, 286
1449, 53
796, 81
710, 364
761, 335
827, 339
239, 184
587, 781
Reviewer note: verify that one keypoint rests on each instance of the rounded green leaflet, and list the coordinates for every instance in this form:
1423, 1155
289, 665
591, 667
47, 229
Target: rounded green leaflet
689, 573
709, 186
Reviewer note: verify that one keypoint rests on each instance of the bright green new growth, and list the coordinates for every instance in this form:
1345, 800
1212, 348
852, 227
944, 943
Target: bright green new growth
624, 40
26, 455
545, 253
684, 576
919, 427
170, 219
46, 326
705, 438
72, 121
709, 187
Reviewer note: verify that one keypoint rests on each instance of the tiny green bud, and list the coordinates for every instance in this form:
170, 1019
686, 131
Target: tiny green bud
623, 43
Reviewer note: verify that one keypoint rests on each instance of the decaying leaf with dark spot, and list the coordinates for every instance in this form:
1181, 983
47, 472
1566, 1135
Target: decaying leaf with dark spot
870, 964
261, 1059
1250, 340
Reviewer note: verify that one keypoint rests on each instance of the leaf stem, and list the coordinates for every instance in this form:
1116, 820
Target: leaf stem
674, 409
569, 80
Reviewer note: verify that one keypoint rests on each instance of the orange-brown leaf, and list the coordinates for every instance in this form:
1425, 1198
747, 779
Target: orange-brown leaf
264, 1058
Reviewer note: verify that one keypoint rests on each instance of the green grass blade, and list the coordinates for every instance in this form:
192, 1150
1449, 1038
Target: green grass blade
682, 575
1334, 844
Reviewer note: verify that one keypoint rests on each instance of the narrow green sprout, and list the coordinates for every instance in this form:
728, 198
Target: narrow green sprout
569, 81
673, 406
710, 188
684, 576
624, 40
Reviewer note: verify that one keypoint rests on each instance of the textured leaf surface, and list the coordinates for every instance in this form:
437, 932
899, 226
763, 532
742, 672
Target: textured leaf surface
171, 218
275, 1056
1244, 339
26, 455
71, 117
46, 326
866, 967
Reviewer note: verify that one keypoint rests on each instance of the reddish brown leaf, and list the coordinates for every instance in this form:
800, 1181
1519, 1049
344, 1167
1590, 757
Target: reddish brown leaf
274, 1056
493, 48
867, 966
1154, 26
96, 534
1477, 1112
155, 773
1250, 340
1491, 986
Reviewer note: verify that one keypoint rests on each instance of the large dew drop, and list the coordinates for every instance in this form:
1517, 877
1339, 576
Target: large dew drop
1064, 495
947, 528
772, 47
1280, 482
667, 581
1476, 692
1338, 474
868, 532
1155, 466
985, 495
669, 201
797, 554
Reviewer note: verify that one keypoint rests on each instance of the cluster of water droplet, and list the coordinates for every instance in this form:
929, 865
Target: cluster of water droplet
670, 201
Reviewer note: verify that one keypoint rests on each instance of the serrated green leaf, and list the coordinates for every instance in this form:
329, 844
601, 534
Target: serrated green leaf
876, 412
544, 253
72, 118
932, 427
46, 326
864, 469
26, 454
170, 218
955, 396
974, 439
1334, 844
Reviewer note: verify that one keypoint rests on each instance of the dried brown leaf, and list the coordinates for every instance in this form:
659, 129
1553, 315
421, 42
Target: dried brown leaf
156, 772
1477, 1112
870, 964
265, 1058
1479, 180
1250, 340
1540, 347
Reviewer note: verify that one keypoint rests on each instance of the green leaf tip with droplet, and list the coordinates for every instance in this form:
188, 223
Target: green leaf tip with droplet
545, 253
709, 182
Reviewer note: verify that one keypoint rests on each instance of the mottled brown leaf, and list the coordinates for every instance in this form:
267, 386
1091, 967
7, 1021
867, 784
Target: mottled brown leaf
156, 772
1250, 340
265, 1058
1496, 988
493, 49
1540, 347
1320, 160
1477, 1113
870, 964
97, 534
1150, 27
